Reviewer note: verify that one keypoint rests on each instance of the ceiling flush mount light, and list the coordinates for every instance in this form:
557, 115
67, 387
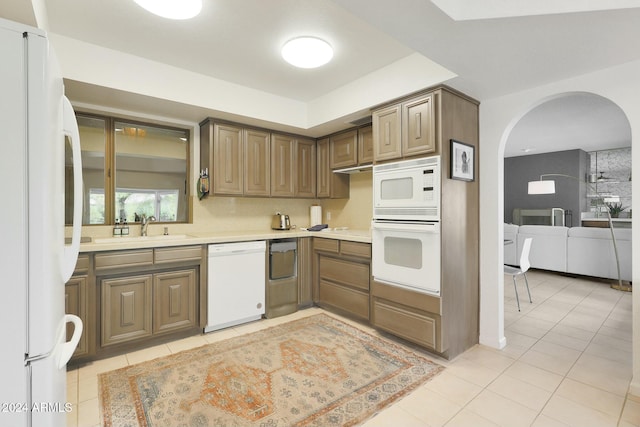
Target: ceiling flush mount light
307, 52
172, 9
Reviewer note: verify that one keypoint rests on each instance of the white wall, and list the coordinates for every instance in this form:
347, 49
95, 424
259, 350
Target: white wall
497, 117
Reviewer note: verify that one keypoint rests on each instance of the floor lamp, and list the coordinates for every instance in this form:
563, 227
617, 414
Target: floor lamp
544, 186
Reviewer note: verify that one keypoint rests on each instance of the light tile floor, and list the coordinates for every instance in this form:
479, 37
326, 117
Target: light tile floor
567, 363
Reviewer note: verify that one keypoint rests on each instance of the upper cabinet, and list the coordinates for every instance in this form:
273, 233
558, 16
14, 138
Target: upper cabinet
343, 149
418, 126
245, 161
387, 133
228, 154
405, 129
257, 163
305, 165
293, 166
330, 185
365, 145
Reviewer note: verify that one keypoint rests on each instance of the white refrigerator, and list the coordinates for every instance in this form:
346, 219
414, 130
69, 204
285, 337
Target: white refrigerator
36, 121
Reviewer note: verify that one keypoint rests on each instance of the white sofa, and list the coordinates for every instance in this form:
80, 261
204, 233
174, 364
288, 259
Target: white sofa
592, 254
577, 250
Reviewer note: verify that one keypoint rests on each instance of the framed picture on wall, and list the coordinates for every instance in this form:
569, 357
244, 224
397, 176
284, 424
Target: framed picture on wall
462, 161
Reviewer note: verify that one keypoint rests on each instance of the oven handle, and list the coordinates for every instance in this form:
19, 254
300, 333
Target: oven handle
429, 227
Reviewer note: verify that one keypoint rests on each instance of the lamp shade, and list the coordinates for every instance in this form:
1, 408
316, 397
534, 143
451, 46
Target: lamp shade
542, 187
307, 52
172, 9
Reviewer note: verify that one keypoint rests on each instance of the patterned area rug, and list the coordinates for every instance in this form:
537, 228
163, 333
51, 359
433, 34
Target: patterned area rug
315, 371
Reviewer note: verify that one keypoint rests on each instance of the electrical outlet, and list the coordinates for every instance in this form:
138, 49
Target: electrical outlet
328, 216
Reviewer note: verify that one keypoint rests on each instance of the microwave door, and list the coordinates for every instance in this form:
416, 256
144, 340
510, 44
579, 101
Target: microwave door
399, 189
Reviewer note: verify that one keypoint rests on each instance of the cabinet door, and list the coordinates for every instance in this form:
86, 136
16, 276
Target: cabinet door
365, 145
228, 159
344, 149
387, 133
126, 309
305, 167
256, 163
330, 185
323, 168
282, 166
174, 295
305, 271
76, 302
418, 127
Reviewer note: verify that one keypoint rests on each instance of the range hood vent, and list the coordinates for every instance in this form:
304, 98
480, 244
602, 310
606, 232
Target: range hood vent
355, 169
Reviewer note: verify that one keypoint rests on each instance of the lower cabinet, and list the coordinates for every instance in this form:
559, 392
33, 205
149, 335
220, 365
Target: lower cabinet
126, 309
342, 272
76, 301
139, 306
411, 315
174, 301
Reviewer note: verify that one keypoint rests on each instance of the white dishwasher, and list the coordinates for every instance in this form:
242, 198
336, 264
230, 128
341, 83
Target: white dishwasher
236, 284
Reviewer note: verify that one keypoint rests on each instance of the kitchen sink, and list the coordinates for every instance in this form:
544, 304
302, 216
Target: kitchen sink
124, 239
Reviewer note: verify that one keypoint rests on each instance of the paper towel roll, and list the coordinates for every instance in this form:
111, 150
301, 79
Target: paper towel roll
315, 215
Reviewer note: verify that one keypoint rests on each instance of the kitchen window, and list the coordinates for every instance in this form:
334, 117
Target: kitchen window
131, 168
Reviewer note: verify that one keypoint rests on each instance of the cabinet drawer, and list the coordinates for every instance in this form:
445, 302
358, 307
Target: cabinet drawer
123, 259
349, 300
327, 245
345, 272
177, 254
82, 264
362, 250
406, 297
406, 323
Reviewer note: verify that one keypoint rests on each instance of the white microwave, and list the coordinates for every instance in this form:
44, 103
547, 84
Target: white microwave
407, 190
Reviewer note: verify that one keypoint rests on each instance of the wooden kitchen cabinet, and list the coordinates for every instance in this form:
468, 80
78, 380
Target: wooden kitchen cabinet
305, 168
174, 300
448, 323
343, 149
411, 315
126, 309
254, 162
330, 185
342, 276
282, 167
365, 145
418, 126
293, 167
305, 272
148, 294
387, 133
238, 158
405, 129
76, 301
78, 295
257, 162
228, 157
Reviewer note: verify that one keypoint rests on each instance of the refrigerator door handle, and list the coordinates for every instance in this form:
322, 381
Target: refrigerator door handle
70, 126
67, 348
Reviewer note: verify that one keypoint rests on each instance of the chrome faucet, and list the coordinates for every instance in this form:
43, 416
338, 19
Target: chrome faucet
144, 221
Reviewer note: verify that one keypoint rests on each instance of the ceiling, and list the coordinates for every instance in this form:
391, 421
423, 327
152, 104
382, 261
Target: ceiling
493, 48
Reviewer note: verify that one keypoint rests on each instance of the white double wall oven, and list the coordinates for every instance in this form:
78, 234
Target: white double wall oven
406, 224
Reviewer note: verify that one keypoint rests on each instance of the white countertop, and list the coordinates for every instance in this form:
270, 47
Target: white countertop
204, 238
